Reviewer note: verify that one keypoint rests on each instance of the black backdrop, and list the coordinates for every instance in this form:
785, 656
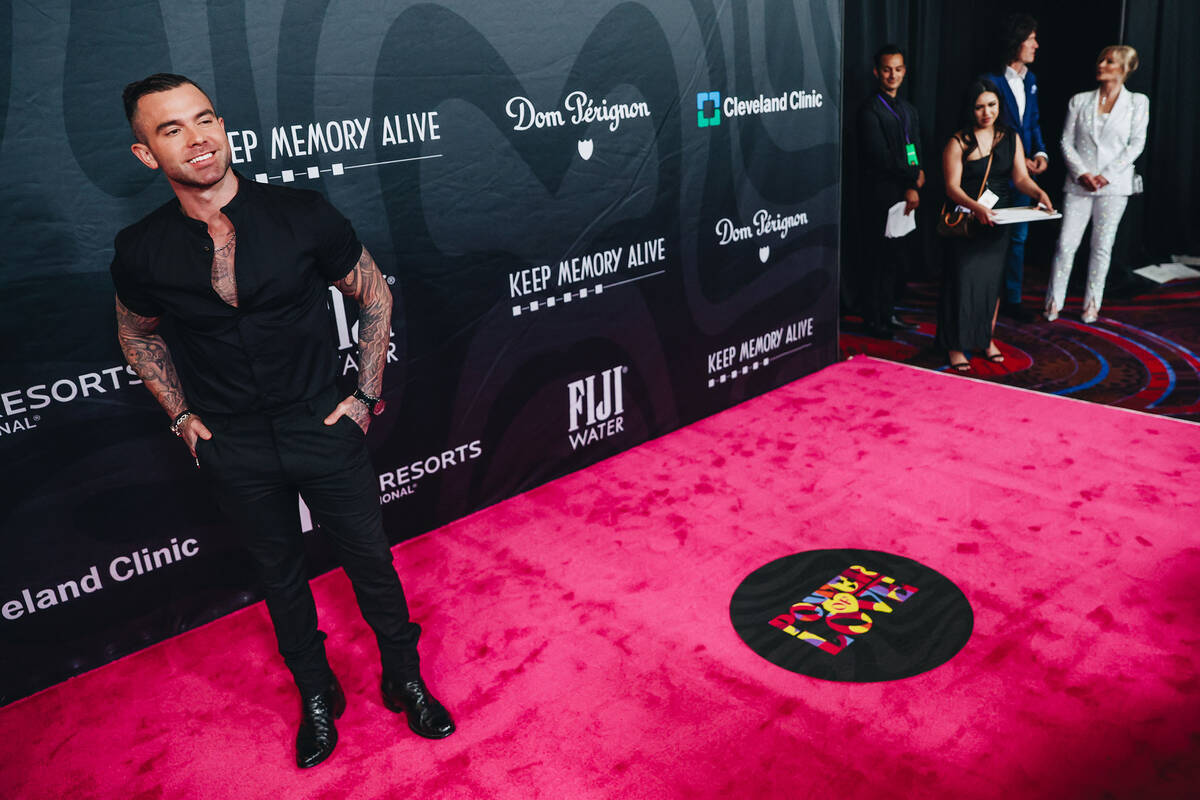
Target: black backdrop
481, 397
447, 132
947, 43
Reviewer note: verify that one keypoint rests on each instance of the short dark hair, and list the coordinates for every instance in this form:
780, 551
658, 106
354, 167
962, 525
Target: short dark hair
1013, 32
887, 50
158, 82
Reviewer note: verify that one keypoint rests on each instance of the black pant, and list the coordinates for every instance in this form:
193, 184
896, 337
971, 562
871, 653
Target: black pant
256, 464
886, 264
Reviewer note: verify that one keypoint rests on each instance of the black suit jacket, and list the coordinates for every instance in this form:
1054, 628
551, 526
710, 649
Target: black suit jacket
883, 164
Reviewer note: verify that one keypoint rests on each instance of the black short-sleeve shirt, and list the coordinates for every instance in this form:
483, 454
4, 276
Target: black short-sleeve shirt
278, 345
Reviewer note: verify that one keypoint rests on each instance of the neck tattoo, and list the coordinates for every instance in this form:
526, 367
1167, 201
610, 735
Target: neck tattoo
220, 251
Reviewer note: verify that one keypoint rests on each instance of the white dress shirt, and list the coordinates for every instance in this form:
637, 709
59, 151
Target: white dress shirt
1016, 82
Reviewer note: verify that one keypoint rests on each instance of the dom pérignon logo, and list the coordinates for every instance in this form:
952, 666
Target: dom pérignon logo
851, 615
595, 405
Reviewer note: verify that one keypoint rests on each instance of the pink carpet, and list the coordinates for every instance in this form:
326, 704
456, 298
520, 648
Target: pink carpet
581, 632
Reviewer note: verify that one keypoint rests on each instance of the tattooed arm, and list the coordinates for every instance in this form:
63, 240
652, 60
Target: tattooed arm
147, 353
366, 286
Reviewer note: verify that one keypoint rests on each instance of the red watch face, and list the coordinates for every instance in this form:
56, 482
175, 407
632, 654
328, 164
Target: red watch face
379, 407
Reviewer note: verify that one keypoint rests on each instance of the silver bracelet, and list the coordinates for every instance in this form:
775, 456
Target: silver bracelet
176, 426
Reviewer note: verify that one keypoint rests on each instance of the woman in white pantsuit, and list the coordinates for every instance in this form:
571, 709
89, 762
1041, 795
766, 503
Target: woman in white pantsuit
1104, 132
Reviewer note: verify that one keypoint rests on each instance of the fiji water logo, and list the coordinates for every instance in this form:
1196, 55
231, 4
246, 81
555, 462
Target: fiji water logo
708, 109
595, 406
834, 616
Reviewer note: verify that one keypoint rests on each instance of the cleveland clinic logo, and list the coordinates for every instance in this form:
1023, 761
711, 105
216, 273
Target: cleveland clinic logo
711, 107
708, 109
595, 405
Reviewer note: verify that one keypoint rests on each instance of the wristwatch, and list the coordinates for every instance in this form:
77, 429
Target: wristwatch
375, 405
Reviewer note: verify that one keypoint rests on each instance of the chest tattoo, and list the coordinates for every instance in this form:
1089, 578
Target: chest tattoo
223, 281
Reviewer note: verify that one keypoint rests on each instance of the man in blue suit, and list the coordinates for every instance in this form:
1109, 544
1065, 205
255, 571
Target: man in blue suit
1019, 111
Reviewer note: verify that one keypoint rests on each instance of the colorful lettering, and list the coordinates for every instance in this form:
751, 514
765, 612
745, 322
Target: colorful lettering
840, 607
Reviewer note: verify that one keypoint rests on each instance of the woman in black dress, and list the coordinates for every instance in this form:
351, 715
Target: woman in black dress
971, 288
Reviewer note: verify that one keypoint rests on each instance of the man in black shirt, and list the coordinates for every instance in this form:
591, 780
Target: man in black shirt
889, 136
248, 382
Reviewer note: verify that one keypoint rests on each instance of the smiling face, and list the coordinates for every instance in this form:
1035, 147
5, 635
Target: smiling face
986, 109
179, 133
890, 72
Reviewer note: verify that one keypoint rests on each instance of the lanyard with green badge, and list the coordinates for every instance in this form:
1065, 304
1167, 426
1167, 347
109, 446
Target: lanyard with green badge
910, 149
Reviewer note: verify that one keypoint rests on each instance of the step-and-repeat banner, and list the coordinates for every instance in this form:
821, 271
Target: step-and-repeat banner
600, 221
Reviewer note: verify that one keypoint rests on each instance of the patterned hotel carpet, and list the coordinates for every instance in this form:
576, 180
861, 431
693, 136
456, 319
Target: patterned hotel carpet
1141, 354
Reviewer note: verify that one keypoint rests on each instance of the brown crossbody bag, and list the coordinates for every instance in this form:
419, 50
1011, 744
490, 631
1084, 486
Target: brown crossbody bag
955, 223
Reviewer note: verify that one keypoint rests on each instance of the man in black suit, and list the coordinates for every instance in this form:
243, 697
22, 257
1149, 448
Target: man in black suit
889, 138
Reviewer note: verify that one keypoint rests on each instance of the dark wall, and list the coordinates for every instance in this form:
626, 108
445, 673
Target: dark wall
948, 43
1167, 35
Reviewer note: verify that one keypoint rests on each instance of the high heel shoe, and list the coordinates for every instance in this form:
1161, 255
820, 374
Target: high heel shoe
1051, 313
1090, 314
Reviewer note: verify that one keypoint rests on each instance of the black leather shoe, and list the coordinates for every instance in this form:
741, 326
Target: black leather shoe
1017, 312
897, 324
318, 735
426, 716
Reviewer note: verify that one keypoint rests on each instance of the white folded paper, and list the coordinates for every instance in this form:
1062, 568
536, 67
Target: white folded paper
898, 223
1161, 273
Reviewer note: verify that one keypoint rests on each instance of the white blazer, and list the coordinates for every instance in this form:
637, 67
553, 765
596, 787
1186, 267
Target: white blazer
1091, 145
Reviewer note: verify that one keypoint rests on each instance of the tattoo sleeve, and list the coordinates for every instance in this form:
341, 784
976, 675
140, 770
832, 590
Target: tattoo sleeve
147, 353
366, 286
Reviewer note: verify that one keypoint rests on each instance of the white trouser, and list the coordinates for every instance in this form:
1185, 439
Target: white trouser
1105, 213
